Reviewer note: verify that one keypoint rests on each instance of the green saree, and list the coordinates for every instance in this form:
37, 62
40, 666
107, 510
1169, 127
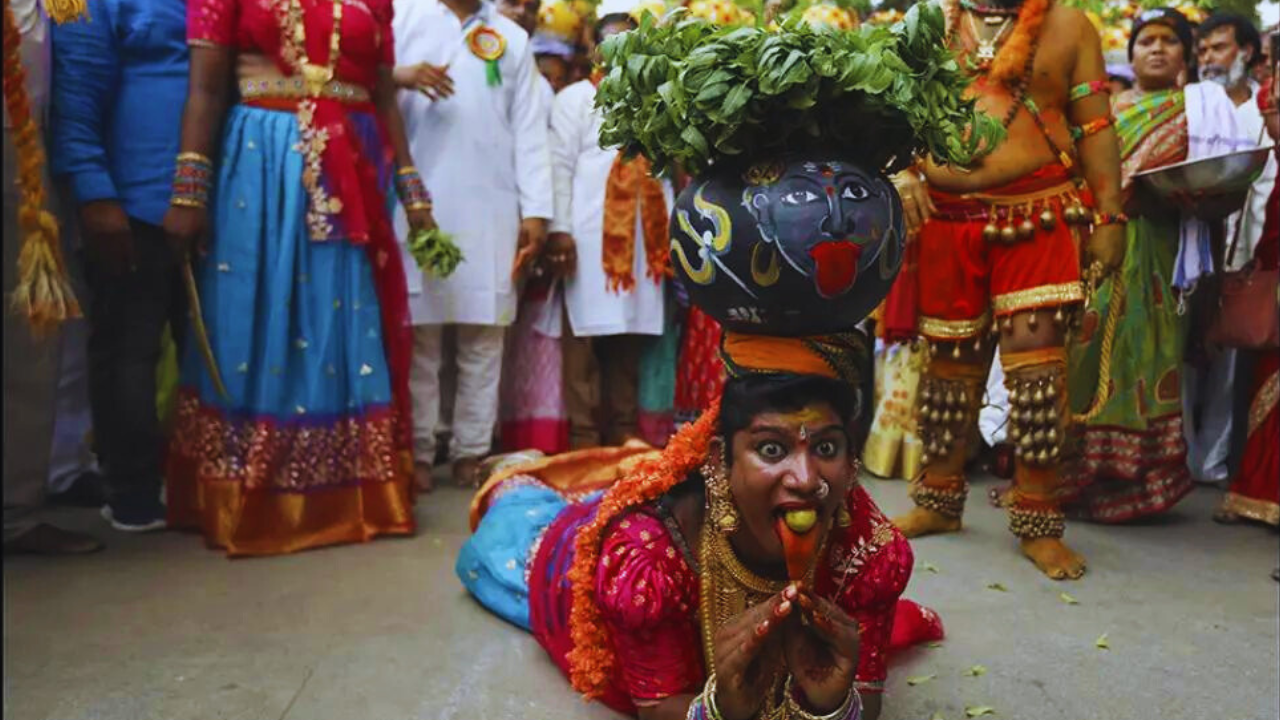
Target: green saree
1131, 457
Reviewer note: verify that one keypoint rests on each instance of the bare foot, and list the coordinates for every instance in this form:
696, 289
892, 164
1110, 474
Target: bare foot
920, 522
422, 478
466, 472
1054, 558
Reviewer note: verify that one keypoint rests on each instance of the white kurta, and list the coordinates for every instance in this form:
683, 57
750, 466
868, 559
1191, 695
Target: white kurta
483, 155
1255, 212
581, 173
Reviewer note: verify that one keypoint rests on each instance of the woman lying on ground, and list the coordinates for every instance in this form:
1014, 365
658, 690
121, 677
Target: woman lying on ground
612, 582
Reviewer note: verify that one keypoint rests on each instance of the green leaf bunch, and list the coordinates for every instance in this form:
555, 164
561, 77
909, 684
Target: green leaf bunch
435, 252
686, 93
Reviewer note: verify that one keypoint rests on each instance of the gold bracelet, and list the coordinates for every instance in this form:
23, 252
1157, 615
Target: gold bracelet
195, 156
408, 170
418, 206
709, 699
187, 202
846, 710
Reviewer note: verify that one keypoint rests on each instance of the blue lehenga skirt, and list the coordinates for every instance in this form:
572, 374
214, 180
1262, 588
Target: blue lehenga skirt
302, 451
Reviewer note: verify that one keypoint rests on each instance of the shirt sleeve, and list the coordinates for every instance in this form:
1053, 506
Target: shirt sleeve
533, 158
566, 132
212, 22
86, 71
872, 600
647, 594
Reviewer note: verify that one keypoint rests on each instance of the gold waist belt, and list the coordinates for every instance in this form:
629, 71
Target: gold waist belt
293, 88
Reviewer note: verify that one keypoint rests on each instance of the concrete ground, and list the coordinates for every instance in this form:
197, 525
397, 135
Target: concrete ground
159, 628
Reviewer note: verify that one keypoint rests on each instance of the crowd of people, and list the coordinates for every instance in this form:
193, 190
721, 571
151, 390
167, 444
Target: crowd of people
205, 154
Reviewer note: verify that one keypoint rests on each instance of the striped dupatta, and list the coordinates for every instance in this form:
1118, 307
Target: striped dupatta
1152, 128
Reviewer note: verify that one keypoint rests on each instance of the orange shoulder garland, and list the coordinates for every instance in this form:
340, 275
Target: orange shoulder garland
1011, 62
591, 661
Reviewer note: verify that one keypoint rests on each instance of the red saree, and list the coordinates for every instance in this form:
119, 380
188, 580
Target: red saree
1255, 492
647, 586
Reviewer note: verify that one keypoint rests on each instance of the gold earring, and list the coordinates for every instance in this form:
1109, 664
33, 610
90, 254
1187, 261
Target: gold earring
720, 507
843, 518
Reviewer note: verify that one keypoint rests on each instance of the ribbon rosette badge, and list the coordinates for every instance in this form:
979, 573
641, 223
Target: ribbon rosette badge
488, 45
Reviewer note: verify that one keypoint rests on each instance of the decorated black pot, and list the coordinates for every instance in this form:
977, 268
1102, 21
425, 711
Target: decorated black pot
804, 245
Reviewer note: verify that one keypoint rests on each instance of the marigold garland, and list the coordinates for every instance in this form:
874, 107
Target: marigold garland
591, 661
1011, 62
64, 11
43, 293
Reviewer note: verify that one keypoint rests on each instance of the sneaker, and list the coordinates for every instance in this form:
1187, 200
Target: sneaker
137, 517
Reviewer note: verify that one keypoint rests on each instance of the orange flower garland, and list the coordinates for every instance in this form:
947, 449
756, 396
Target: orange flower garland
43, 293
1011, 62
592, 661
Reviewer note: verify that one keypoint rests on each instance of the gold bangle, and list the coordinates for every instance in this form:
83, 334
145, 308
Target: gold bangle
418, 206
194, 156
407, 170
187, 202
846, 709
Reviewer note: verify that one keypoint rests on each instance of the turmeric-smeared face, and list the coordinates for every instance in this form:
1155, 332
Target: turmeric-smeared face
779, 463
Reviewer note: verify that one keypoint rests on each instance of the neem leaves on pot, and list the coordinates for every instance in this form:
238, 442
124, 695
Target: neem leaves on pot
685, 93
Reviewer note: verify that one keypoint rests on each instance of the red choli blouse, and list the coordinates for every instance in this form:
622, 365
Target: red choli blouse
648, 596
252, 26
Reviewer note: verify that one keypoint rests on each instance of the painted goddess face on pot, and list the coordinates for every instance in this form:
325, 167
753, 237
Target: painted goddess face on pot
819, 217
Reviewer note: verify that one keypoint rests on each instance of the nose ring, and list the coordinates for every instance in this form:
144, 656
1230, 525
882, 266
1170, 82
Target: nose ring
824, 490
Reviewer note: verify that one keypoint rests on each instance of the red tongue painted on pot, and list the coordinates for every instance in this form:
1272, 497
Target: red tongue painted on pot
835, 266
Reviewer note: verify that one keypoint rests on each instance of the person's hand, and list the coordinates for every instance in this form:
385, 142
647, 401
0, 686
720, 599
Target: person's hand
1107, 246
740, 671
420, 220
823, 655
533, 235
561, 254
431, 80
186, 228
107, 235
917, 206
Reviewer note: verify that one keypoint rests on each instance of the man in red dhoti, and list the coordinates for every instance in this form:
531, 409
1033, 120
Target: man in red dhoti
999, 255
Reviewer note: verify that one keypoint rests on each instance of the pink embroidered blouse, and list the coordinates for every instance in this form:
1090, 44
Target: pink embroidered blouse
648, 596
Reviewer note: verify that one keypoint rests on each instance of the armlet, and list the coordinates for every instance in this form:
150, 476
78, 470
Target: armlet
1093, 127
1085, 89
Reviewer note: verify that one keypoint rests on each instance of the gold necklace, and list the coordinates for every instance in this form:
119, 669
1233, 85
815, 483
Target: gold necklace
727, 589
315, 76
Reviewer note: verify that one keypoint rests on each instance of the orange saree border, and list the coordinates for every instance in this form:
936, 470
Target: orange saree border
572, 473
256, 521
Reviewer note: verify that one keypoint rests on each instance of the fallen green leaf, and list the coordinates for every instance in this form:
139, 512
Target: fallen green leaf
935, 644
976, 671
1102, 643
998, 587
929, 567
920, 679
1068, 599
979, 711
